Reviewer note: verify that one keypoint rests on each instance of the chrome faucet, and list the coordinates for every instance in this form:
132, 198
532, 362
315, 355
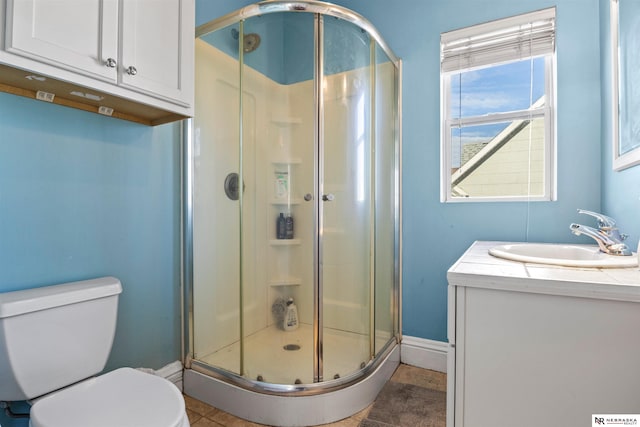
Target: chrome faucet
607, 235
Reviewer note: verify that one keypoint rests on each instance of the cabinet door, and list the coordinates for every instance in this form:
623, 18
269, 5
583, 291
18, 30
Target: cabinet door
78, 35
157, 41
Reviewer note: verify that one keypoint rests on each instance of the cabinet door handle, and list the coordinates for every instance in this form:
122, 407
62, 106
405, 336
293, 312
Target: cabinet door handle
328, 197
132, 71
111, 63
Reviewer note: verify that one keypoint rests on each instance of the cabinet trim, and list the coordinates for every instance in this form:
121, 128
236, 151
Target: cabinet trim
14, 82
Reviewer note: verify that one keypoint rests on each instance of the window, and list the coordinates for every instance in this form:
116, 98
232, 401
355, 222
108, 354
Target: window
498, 115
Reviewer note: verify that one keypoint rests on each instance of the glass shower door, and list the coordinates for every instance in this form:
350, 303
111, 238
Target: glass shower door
294, 199
216, 224
277, 229
346, 208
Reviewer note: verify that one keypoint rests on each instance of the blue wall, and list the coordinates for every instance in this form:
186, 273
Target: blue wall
207, 10
286, 51
83, 196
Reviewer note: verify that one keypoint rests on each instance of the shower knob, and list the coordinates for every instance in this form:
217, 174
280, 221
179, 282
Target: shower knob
308, 197
328, 197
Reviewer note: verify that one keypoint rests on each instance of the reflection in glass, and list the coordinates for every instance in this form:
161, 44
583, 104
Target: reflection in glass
385, 116
346, 222
629, 75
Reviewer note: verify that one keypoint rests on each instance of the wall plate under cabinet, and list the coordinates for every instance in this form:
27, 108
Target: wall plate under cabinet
16, 82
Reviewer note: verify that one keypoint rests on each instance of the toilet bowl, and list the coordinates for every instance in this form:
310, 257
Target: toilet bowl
55, 340
122, 398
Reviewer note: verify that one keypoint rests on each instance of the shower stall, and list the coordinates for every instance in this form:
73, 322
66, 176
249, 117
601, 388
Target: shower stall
291, 217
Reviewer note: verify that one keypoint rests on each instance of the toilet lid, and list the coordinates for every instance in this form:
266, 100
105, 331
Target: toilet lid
122, 398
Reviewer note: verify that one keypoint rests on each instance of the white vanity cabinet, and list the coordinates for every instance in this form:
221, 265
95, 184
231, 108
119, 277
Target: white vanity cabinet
533, 345
132, 56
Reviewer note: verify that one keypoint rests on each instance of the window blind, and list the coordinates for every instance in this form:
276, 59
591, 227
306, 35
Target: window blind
504, 40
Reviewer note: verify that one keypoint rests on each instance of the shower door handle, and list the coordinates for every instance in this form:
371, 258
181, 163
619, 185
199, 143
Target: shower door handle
328, 197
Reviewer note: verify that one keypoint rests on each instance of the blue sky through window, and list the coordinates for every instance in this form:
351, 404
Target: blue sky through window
498, 89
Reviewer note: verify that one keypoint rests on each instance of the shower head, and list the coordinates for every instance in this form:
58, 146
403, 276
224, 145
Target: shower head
250, 41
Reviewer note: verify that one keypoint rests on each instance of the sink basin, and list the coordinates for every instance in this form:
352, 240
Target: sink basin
565, 255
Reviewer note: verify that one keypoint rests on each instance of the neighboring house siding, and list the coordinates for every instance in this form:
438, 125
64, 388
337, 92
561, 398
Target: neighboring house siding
507, 170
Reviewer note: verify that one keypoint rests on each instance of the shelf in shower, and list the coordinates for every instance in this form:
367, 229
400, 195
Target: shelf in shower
289, 161
285, 120
333, 230
286, 202
284, 242
290, 281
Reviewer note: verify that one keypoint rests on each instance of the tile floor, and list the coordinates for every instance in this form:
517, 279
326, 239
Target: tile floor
203, 415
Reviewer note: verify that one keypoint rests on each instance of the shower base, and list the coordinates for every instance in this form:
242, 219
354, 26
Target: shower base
279, 357
292, 411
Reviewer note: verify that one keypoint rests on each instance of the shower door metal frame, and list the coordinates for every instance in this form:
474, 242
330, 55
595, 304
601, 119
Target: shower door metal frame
320, 9
241, 286
318, 164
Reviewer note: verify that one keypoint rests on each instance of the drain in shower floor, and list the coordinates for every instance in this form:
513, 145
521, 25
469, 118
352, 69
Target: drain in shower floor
291, 347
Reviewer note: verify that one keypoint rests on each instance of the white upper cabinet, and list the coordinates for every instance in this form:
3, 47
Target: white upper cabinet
154, 48
79, 35
138, 51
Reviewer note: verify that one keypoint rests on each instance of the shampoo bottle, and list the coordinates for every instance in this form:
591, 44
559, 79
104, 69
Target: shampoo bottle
281, 227
289, 226
290, 316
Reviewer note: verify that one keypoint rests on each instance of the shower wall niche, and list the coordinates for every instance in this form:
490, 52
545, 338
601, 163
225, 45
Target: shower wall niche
302, 109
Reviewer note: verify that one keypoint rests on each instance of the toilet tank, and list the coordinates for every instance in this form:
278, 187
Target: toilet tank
54, 336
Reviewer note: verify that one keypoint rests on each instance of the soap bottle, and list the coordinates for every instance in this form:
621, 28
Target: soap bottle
281, 227
289, 226
290, 316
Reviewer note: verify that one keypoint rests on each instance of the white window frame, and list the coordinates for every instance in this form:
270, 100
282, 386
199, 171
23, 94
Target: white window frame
547, 111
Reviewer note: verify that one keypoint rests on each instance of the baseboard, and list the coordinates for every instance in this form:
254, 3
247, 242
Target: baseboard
424, 353
171, 372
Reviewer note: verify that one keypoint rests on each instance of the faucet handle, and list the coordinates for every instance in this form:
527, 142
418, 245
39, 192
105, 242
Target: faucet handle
604, 222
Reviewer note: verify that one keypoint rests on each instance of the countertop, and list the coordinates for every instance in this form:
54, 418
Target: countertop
477, 268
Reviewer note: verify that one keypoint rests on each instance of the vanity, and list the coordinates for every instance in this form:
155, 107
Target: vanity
536, 344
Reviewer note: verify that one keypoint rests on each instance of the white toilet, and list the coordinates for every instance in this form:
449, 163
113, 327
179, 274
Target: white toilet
55, 339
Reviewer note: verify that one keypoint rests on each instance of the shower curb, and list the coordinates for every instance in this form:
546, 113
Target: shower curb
296, 411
